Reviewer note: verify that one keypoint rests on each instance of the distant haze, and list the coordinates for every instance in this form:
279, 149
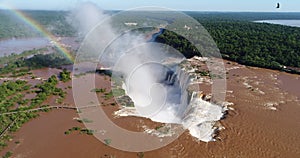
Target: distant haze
196, 5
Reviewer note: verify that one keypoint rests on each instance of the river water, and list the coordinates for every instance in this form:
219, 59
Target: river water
17, 46
155, 35
294, 23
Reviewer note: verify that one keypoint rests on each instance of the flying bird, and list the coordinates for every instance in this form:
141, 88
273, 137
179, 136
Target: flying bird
278, 5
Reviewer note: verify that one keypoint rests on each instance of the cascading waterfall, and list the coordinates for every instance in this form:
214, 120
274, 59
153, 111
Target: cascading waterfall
127, 52
195, 114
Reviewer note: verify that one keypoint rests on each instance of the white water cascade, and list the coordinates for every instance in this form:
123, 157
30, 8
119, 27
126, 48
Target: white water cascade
183, 107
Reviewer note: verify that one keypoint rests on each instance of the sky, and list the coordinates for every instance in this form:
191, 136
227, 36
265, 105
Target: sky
182, 5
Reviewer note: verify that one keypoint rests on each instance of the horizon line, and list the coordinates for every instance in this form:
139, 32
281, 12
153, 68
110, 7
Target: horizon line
119, 10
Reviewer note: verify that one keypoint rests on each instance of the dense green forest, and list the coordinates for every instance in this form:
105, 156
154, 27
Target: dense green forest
257, 44
236, 35
55, 22
254, 44
238, 39
19, 65
46, 60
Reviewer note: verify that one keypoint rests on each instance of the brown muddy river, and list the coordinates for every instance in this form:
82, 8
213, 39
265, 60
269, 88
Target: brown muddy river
290, 83
251, 130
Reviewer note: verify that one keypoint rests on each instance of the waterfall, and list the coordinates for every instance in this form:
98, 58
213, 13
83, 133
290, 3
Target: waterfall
186, 107
183, 81
197, 115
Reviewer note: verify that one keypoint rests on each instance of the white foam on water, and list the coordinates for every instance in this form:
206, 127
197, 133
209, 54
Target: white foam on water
193, 113
201, 118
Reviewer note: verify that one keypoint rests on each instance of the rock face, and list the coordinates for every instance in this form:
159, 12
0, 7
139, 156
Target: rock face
192, 112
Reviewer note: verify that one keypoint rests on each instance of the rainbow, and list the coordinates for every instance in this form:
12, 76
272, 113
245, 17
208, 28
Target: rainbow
36, 26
